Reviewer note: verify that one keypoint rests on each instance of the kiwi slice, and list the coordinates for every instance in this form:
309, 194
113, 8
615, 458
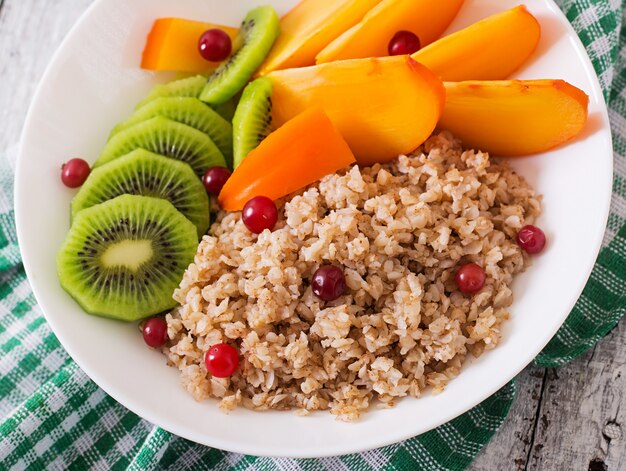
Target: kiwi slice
187, 87
190, 87
226, 110
166, 137
124, 258
253, 119
144, 173
256, 36
189, 111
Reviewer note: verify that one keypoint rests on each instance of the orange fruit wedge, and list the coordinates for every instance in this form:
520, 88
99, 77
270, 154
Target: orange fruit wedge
491, 49
514, 117
383, 107
299, 153
172, 44
309, 27
428, 19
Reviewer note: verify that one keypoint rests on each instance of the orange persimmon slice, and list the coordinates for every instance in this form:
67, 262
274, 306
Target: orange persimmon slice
491, 49
299, 153
309, 27
514, 117
383, 106
428, 19
172, 45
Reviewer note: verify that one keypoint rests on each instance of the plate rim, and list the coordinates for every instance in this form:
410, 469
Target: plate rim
229, 446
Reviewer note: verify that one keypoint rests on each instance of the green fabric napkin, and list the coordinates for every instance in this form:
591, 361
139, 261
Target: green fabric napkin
52, 416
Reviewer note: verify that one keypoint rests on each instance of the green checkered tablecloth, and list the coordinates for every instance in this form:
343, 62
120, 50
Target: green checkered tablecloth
52, 416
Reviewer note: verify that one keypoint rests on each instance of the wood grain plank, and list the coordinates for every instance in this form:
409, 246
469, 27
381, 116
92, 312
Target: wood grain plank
510, 447
583, 411
30, 31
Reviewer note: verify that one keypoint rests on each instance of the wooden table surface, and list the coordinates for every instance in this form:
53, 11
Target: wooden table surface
570, 418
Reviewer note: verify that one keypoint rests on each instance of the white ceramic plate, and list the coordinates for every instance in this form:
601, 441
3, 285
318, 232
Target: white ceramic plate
94, 82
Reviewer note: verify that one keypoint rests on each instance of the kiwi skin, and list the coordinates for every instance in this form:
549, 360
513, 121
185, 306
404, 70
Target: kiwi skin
147, 174
124, 292
257, 34
227, 110
253, 118
165, 137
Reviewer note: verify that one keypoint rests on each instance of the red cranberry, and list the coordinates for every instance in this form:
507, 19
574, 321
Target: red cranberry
74, 172
259, 213
155, 332
215, 178
470, 278
221, 360
403, 42
531, 239
328, 282
215, 45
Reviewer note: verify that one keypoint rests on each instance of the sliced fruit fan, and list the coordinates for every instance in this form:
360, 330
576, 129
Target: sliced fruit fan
285, 102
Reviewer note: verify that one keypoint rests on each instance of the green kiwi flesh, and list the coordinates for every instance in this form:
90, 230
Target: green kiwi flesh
165, 137
189, 111
253, 119
124, 258
190, 87
256, 36
187, 87
147, 174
